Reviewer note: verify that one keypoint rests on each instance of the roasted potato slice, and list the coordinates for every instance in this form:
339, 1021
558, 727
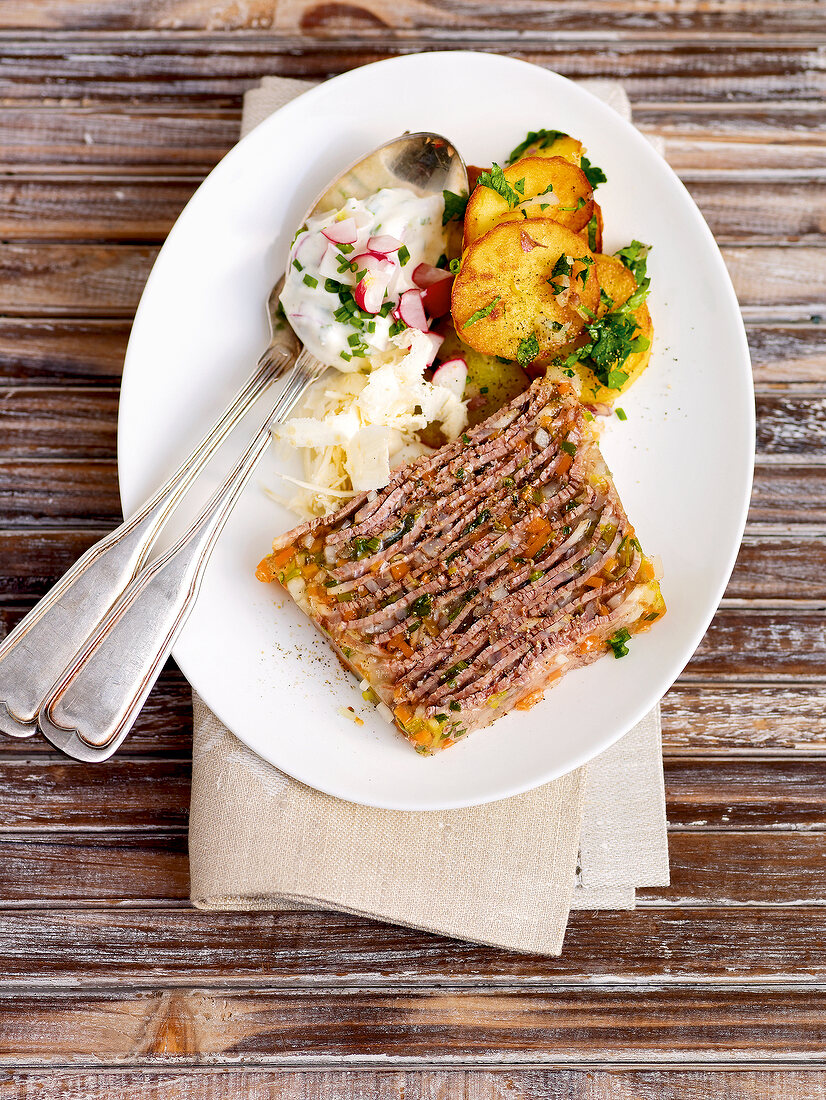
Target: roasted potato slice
549, 143
552, 188
619, 284
503, 299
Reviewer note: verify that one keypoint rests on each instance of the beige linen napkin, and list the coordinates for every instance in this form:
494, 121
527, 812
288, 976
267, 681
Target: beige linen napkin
505, 874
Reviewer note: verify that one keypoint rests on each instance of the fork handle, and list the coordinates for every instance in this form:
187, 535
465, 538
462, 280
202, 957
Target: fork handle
94, 704
40, 647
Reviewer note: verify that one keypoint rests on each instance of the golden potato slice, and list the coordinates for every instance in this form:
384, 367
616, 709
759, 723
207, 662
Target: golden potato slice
619, 284
549, 143
552, 188
521, 289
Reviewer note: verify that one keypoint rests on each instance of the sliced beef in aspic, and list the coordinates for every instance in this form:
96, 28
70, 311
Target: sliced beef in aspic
481, 574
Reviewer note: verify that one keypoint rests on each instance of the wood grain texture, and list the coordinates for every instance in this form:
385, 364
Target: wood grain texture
687, 18
591, 1026
100, 949
81, 69
708, 867
512, 1083
59, 795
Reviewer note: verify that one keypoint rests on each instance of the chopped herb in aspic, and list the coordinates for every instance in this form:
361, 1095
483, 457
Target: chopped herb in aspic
485, 311
495, 180
568, 447
617, 643
422, 607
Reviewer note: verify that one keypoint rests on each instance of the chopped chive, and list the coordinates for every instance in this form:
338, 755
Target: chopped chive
298, 266
404, 255
621, 414
310, 281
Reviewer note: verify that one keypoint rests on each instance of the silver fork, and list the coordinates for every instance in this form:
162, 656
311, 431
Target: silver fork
91, 708
41, 646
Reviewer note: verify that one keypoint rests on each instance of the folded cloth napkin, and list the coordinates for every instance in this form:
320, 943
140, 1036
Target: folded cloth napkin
505, 874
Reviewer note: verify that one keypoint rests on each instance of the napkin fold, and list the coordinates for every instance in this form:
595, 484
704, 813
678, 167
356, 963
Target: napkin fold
505, 874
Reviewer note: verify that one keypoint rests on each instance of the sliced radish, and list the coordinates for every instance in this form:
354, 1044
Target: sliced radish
411, 310
376, 265
435, 341
383, 245
436, 297
369, 292
343, 232
426, 275
452, 375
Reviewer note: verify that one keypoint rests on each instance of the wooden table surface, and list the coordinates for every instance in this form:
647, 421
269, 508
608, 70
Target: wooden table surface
112, 111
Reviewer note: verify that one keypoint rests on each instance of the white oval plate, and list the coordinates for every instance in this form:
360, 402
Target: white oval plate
682, 461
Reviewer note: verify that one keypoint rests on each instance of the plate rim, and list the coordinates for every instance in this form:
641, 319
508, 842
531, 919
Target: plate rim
732, 309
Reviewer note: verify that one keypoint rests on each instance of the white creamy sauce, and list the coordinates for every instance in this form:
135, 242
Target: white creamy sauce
319, 282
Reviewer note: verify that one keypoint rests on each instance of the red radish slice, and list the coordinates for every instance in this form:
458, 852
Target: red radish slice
343, 232
426, 275
369, 293
436, 297
411, 310
376, 265
452, 375
383, 245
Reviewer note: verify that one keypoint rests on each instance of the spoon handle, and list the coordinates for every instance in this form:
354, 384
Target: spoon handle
94, 704
40, 647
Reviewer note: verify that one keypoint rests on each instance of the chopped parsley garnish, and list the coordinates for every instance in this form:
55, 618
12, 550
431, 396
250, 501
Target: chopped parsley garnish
593, 226
540, 138
485, 311
635, 258
519, 186
403, 254
617, 643
594, 175
528, 350
455, 206
562, 266
621, 414
580, 202
495, 180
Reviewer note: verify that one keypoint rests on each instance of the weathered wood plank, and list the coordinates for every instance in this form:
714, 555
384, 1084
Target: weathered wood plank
138, 139
787, 494
754, 718
48, 490
47, 351
117, 208
105, 948
58, 422
512, 1083
689, 17
778, 644
55, 794
91, 351
129, 209
107, 280
708, 867
592, 1026
102, 68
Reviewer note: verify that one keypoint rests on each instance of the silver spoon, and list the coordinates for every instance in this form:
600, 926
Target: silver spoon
97, 697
